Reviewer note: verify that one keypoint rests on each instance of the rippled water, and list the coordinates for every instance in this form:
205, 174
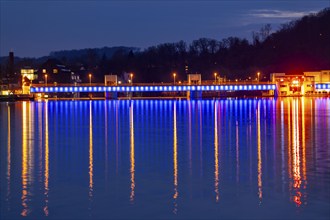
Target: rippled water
204, 159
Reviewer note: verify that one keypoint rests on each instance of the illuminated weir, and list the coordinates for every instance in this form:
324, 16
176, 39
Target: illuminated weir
191, 90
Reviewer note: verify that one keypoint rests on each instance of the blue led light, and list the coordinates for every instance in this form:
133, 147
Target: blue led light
185, 88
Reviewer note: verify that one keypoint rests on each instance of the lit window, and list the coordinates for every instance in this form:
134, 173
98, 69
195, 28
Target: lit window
55, 71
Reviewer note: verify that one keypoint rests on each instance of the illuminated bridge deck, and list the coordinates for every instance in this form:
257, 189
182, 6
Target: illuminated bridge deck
153, 88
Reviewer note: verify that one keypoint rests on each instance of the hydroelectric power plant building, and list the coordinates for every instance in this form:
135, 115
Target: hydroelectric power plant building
306, 84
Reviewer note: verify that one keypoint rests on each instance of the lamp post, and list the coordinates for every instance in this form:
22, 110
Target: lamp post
46, 76
258, 74
215, 77
131, 75
174, 75
90, 79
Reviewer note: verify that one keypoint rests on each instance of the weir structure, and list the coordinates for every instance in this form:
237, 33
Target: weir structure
194, 87
193, 91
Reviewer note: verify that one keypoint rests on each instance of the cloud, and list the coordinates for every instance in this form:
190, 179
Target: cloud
266, 13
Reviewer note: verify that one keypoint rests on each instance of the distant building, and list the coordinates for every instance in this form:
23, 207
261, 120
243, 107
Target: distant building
301, 84
194, 79
28, 77
56, 72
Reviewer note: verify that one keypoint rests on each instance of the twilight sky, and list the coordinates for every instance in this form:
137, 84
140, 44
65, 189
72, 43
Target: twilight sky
33, 28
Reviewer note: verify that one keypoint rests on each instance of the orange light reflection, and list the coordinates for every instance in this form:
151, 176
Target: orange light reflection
8, 155
132, 153
175, 161
216, 155
259, 155
46, 174
91, 184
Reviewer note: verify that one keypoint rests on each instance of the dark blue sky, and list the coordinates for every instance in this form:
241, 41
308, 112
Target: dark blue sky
35, 28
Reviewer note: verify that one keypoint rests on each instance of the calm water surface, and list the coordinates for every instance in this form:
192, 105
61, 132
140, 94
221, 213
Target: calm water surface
209, 159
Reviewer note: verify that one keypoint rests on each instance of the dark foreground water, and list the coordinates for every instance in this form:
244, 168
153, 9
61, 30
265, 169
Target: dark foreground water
210, 159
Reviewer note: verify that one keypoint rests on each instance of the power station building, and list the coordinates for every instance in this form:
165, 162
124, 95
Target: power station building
308, 83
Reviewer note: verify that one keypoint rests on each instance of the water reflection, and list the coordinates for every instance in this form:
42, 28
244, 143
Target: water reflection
259, 154
46, 173
175, 161
298, 151
8, 157
132, 152
90, 153
284, 146
27, 156
216, 153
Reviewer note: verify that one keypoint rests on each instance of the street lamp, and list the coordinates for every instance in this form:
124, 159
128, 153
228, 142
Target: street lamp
215, 77
90, 79
174, 75
131, 75
258, 74
46, 78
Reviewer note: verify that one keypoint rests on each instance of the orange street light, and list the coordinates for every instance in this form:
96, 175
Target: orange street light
215, 77
131, 75
90, 79
258, 74
174, 75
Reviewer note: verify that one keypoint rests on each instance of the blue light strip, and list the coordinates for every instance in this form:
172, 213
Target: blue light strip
176, 88
322, 86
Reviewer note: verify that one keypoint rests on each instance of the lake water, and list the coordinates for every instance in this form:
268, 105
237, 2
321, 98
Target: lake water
208, 159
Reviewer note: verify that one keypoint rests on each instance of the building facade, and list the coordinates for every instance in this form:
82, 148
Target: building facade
301, 84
